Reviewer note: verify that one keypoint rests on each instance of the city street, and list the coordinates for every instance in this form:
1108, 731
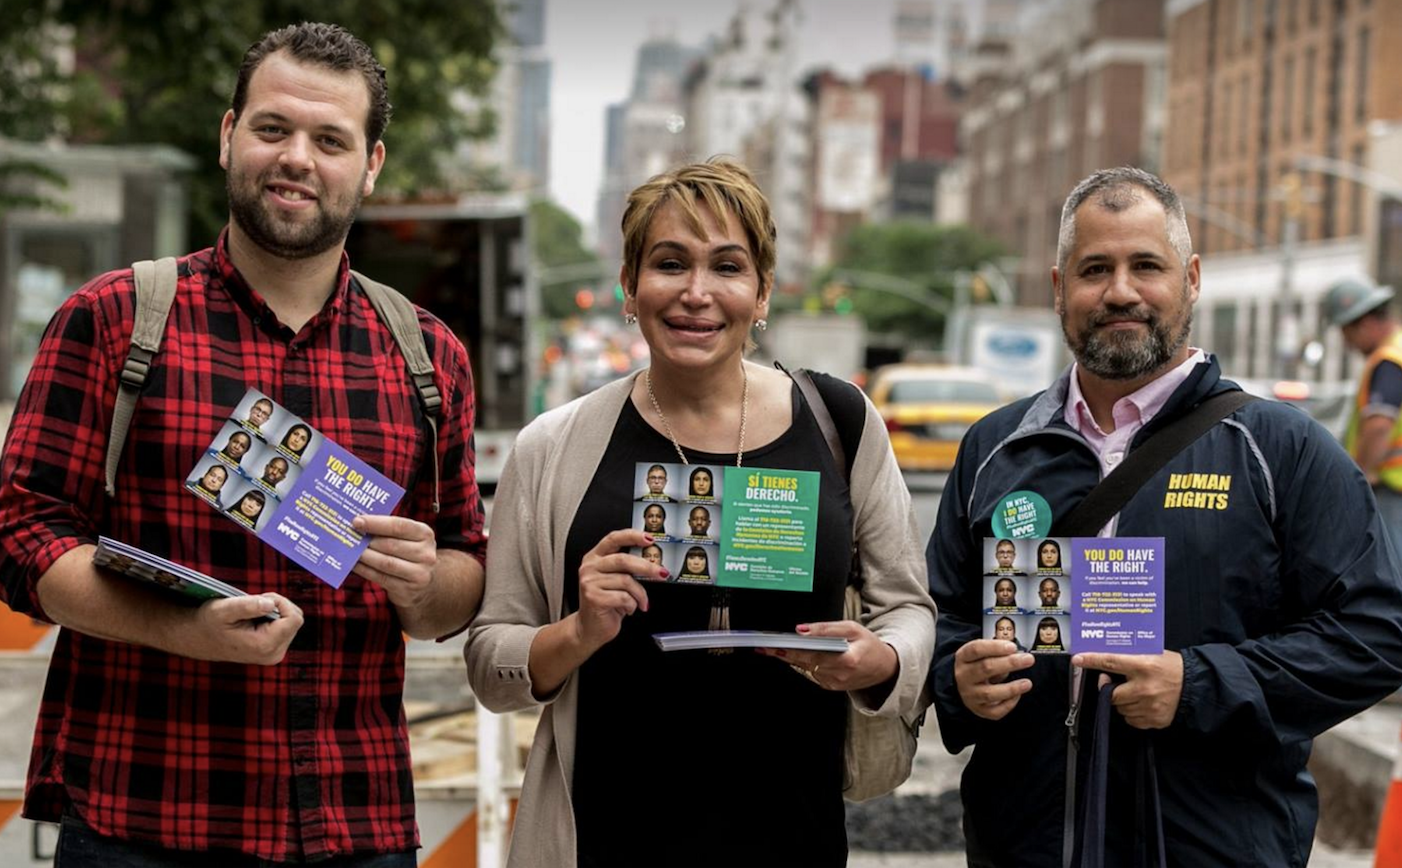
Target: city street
945, 203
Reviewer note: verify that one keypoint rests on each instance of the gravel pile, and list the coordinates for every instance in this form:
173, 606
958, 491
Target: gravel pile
907, 824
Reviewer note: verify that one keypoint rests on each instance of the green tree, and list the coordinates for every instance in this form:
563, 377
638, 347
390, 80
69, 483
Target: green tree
561, 259
36, 96
170, 69
881, 264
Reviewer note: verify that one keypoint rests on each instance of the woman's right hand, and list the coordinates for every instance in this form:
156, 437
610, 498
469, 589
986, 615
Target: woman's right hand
608, 593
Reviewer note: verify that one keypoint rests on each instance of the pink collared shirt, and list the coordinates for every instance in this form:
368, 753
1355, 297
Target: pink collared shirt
1130, 413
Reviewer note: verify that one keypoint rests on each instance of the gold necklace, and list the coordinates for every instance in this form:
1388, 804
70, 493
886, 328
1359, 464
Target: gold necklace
720, 597
744, 412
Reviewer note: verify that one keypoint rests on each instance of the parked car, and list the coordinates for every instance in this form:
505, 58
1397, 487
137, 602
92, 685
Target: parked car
928, 408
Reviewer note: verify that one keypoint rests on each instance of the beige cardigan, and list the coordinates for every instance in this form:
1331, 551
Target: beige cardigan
551, 466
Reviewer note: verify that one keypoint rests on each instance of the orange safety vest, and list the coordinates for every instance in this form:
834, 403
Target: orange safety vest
1390, 471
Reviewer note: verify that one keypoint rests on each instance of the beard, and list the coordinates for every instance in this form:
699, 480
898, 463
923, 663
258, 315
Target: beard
1128, 355
282, 238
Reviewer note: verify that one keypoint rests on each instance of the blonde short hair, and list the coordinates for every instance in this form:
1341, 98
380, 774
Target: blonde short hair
724, 186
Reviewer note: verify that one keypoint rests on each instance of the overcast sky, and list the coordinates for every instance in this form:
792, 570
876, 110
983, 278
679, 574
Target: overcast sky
593, 45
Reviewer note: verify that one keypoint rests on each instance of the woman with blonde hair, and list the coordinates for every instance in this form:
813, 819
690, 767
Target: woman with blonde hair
755, 776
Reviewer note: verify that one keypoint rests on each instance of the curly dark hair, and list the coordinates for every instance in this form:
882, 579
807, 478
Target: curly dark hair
328, 45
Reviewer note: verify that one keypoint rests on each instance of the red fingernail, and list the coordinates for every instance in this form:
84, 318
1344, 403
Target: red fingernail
780, 653
663, 572
648, 537
803, 628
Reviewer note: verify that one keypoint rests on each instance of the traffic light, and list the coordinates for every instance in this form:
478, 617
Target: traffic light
1292, 190
978, 287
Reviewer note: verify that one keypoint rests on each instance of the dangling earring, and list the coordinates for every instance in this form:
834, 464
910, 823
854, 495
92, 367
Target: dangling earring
762, 324
630, 319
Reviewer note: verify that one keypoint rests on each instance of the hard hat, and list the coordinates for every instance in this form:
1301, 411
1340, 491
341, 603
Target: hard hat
1350, 298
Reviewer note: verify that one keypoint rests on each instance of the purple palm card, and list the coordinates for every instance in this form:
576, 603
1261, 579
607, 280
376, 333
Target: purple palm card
292, 487
312, 525
1117, 594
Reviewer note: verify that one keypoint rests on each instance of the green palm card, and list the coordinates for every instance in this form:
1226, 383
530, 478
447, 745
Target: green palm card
769, 528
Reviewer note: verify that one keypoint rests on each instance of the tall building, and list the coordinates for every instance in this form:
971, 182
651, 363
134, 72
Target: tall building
1076, 86
918, 139
742, 99
1262, 95
738, 82
530, 148
643, 135
517, 156
879, 147
846, 163
735, 97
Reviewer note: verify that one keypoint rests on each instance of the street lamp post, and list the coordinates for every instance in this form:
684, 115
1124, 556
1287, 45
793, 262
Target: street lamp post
1286, 355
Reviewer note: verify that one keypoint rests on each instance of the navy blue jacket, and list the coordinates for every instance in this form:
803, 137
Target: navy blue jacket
1283, 598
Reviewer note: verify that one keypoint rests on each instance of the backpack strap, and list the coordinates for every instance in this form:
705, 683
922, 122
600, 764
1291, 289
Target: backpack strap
402, 320
155, 283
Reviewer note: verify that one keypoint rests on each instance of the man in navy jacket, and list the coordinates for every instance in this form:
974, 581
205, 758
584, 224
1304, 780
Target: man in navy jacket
1282, 603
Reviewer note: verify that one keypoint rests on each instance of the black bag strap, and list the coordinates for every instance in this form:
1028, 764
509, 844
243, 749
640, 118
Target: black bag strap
1088, 517
823, 417
1115, 490
810, 392
1148, 808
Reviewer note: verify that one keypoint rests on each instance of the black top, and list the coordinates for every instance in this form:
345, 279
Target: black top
693, 758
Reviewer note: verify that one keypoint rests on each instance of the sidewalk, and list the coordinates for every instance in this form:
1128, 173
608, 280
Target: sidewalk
1352, 763
1322, 857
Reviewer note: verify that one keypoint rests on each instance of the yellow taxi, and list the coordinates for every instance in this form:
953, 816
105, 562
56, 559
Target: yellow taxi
928, 408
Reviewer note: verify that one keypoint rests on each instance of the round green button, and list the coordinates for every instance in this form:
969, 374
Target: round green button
1022, 515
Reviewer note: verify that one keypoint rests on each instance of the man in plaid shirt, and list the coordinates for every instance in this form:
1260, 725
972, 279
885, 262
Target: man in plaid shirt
171, 735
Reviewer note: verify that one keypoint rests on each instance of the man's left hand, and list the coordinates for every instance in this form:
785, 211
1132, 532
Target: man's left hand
400, 557
1153, 685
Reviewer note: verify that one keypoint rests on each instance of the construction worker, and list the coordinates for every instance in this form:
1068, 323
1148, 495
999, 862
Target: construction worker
1374, 436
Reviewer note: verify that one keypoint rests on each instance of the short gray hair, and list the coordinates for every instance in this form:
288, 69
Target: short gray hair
1117, 190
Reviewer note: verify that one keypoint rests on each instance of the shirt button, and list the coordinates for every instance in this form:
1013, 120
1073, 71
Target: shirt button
1114, 457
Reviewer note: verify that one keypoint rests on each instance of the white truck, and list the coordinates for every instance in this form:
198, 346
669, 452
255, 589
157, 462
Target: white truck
1020, 347
828, 342
467, 261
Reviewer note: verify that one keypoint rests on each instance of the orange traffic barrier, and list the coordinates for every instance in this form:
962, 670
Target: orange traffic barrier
1388, 851
8, 807
459, 849
20, 632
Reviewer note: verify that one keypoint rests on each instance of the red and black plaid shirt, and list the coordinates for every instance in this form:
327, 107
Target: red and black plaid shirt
303, 760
